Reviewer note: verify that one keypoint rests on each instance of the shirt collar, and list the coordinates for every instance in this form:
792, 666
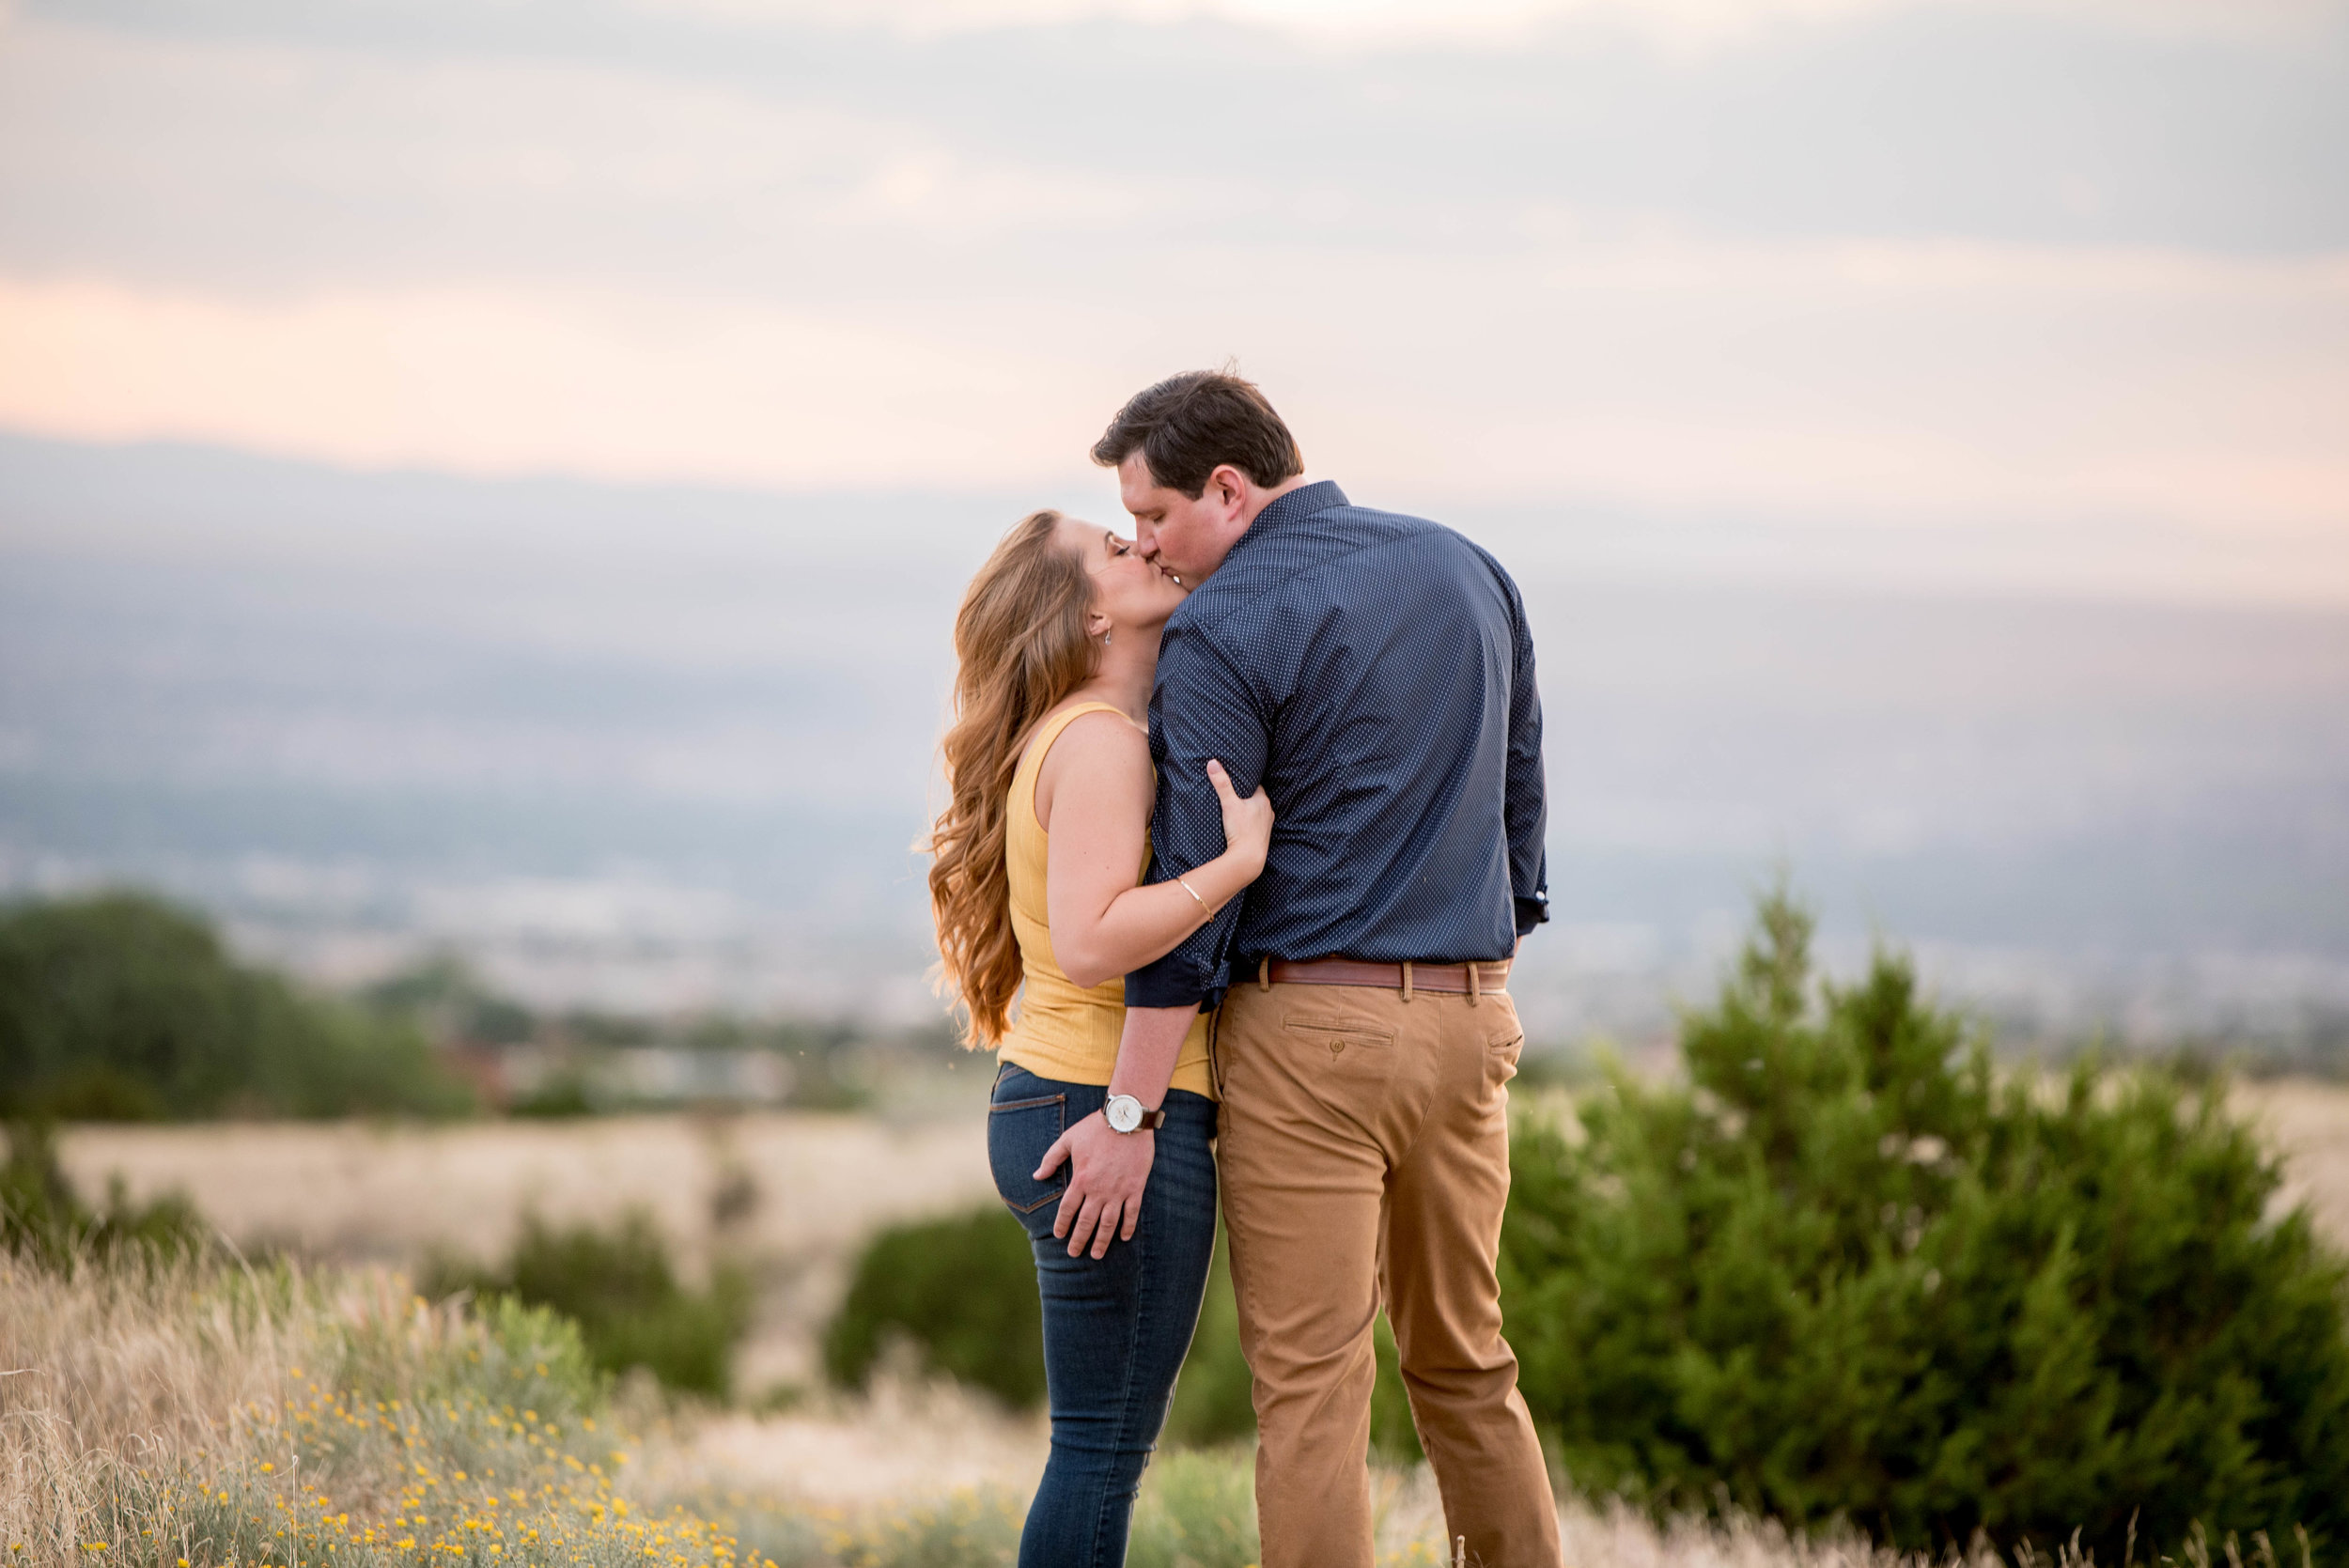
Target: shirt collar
1303, 502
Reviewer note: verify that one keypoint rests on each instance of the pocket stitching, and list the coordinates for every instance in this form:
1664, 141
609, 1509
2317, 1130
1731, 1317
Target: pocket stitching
1060, 1185
1315, 1025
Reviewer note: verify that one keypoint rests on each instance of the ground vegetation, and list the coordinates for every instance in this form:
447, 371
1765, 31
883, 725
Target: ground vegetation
621, 1289
1845, 1269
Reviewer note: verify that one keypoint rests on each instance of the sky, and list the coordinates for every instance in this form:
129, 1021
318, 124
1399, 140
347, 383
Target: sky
2050, 296
500, 472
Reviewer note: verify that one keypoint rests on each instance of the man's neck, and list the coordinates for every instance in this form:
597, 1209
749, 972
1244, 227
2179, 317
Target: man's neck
1258, 501
1266, 498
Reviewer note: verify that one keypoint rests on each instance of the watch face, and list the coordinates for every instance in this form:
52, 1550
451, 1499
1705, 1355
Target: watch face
1123, 1112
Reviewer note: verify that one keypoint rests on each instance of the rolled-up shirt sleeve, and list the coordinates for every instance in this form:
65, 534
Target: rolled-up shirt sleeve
1526, 812
1201, 707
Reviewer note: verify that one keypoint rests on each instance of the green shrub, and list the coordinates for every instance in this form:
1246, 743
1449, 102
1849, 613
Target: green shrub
124, 1007
563, 1097
1845, 1270
1393, 1434
515, 1356
1213, 1399
1196, 1511
619, 1288
961, 1291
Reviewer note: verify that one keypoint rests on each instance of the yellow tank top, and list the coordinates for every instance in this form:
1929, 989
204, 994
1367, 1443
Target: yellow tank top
1064, 1030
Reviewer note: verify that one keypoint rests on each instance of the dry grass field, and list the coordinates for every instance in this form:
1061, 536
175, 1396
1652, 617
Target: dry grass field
790, 1194
2309, 1123
793, 1195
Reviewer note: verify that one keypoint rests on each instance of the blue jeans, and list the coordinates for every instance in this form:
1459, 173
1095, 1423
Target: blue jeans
1115, 1329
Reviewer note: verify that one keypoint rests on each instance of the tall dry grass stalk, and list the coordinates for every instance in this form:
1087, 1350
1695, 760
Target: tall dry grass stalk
155, 1397
112, 1372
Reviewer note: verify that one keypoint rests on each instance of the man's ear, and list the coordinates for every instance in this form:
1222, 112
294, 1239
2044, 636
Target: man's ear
1230, 485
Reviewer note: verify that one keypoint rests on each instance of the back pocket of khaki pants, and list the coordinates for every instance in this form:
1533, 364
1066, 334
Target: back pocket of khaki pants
1349, 1047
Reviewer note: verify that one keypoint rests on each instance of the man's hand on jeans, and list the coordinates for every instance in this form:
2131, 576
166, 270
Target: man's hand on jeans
1107, 1171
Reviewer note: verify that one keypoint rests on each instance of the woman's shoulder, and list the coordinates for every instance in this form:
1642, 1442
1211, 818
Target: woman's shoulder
1089, 729
1097, 748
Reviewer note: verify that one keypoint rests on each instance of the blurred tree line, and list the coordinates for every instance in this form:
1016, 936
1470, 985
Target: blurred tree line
122, 1008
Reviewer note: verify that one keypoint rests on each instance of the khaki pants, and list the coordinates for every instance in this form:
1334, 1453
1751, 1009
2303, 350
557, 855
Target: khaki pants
1365, 1153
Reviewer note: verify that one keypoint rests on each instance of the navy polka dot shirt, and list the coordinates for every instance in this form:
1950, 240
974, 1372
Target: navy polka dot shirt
1375, 674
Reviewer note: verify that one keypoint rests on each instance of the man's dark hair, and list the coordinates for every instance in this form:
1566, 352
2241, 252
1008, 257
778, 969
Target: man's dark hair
1189, 426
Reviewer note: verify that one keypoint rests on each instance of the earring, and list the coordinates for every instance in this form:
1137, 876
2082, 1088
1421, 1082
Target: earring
1105, 638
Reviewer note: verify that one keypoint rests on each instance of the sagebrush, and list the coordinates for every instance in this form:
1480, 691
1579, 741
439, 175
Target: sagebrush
619, 1286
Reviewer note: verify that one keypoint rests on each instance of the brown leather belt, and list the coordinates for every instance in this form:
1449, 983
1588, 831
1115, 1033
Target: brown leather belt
1449, 979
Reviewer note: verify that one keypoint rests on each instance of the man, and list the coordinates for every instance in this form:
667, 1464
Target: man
1373, 672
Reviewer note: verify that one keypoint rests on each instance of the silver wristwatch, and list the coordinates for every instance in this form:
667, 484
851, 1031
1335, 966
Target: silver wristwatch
1124, 1113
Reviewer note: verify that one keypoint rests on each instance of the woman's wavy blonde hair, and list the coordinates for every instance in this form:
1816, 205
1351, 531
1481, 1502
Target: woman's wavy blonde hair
1021, 648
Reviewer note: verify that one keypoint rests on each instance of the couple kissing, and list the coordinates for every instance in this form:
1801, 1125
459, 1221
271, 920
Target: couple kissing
1245, 814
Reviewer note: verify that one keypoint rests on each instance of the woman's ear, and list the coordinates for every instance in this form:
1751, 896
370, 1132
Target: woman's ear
1097, 625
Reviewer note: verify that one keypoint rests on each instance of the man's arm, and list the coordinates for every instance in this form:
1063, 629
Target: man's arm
1201, 709
1526, 811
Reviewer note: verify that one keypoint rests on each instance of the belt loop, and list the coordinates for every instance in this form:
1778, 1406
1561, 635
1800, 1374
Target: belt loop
1474, 994
1406, 979
1264, 973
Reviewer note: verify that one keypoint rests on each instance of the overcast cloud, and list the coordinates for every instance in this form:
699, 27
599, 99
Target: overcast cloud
2053, 295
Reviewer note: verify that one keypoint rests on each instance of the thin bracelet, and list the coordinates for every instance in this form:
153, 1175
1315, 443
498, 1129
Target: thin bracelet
1195, 893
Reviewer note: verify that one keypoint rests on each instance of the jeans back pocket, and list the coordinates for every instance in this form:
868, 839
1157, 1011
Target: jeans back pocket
1018, 1134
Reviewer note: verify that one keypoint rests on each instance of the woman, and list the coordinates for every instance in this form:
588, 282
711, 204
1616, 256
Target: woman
1033, 885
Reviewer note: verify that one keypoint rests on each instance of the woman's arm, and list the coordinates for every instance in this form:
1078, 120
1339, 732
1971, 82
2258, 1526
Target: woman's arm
1093, 797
